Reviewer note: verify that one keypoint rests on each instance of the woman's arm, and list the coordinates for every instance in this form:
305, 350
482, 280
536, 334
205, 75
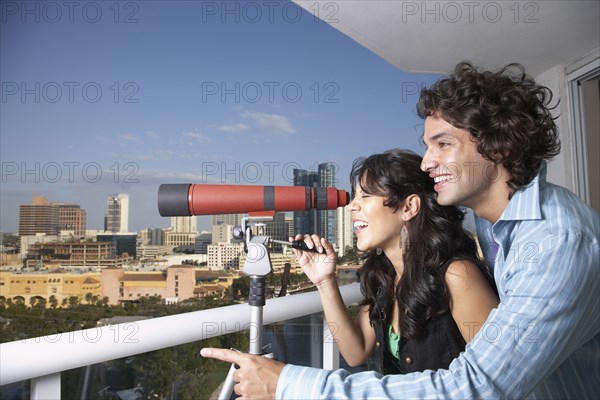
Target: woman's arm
471, 297
355, 339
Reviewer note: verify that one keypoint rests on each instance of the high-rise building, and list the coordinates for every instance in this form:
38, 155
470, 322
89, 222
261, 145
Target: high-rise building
183, 233
321, 222
227, 219
50, 218
38, 217
184, 224
221, 233
151, 237
71, 217
276, 229
327, 219
305, 221
117, 218
289, 226
345, 230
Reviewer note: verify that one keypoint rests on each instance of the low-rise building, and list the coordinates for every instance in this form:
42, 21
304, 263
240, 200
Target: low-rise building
175, 283
53, 288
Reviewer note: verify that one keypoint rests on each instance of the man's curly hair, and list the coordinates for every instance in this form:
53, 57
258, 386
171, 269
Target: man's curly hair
506, 112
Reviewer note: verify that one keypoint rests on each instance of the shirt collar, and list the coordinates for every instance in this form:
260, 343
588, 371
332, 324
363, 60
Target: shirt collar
525, 202
524, 205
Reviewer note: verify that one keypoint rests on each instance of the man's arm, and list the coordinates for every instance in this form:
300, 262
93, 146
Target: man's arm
256, 377
548, 309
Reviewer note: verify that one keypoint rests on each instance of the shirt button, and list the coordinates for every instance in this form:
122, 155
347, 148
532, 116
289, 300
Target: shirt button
408, 360
377, 344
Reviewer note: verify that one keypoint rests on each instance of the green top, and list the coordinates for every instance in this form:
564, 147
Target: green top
393, 341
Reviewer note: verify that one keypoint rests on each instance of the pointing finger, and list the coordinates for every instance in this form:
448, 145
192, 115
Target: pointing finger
229, 356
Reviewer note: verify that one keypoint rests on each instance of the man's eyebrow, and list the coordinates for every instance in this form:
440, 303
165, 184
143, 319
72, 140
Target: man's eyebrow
438, 136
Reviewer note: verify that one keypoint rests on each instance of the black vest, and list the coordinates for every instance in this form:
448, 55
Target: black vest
436, 350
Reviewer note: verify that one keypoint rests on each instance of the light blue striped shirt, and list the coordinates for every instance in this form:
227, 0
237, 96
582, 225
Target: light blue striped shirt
543, 340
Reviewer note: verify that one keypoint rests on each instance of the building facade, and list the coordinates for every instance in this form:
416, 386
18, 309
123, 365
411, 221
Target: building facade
224, 256
54, 289
176, 283
345, 230
72, 218
327, 219
117, 216
38, 217
306, 221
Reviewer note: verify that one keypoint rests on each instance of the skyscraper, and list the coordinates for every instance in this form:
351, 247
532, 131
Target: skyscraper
117, 218
184, 224
305, 221
321, 222
345, 230
38, 217
328, 218
227, 219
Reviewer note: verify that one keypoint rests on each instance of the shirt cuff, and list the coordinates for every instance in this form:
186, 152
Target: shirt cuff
300, 382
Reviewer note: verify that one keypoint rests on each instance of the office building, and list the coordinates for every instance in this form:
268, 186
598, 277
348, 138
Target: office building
321, 222
124, 244
181, 237
43, 217
327, 219
117, 217
305, 221
228, 219
184, 224
38, 217
71, 218
345, 231
224, 256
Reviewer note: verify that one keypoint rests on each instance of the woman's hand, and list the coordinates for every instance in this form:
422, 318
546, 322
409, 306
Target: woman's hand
318, 266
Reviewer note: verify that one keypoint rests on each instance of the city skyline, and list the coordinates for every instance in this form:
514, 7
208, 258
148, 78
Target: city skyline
100, 98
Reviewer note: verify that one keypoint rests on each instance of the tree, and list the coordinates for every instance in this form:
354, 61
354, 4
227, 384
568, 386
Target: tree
53, 301
73, 301
351, 256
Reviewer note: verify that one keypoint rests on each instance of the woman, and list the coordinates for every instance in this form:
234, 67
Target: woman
426, 293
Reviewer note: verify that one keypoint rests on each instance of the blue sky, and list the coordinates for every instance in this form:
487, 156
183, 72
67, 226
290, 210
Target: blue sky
105, 97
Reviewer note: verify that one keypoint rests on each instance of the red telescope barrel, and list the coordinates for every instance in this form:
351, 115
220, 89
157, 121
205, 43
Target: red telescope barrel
206, 199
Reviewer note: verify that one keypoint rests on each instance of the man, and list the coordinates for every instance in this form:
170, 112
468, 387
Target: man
488, 136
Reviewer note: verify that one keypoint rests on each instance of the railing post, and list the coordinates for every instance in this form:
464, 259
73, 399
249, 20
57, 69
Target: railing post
45, 387
331, 352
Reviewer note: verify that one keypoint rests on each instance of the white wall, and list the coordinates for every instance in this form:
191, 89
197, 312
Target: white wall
560, 168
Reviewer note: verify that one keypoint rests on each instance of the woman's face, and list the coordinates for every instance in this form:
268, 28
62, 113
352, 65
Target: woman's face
376, 225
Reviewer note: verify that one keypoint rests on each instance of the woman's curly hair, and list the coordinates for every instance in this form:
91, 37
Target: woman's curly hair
506, 112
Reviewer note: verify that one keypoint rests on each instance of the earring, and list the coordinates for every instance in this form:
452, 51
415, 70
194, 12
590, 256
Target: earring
378, 251
404, 238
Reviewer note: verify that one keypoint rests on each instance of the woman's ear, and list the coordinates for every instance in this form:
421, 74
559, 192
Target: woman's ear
412, 206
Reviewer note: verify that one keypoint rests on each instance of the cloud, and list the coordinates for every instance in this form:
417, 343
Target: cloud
198, 137
233, 128
275, 123
129, 137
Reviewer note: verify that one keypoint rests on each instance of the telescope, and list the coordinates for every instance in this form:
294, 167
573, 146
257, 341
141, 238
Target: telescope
182, 200
187, 199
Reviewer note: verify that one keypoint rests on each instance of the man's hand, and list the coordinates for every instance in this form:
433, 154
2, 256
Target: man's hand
256, 377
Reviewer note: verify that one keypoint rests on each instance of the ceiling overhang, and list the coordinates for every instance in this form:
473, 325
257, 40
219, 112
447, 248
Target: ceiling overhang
432, 36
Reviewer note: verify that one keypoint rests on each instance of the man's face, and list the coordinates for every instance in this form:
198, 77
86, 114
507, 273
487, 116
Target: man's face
463, 177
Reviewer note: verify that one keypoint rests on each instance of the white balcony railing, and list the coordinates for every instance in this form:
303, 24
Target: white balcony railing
42, 359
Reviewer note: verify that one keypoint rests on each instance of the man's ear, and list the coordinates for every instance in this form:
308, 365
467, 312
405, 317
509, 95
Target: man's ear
411, 207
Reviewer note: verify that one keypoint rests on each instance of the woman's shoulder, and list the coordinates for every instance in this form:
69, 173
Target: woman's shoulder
462, 274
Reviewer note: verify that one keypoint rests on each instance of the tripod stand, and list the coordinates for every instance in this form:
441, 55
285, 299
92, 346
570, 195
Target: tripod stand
257, 266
